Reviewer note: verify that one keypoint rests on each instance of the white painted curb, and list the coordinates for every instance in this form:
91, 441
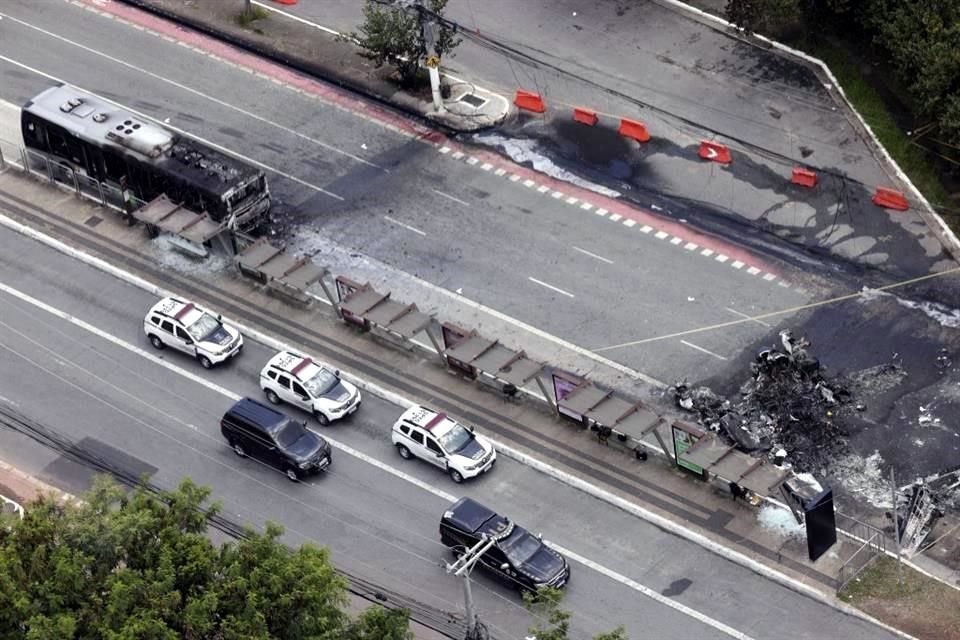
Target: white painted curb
515, 454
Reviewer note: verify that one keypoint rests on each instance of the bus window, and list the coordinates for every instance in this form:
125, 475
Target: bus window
114, 165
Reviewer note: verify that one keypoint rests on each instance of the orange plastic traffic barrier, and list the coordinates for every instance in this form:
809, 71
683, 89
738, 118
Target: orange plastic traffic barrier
585, 116
634, 129
890, 199
715, 152
529, 101
804, 177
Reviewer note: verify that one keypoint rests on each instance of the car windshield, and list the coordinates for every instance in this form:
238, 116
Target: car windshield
321, 382
520, 546
203, 327
290, 433
455, 439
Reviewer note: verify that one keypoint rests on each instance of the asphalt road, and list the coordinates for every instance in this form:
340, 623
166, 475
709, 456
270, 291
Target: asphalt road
342, 179
73, 357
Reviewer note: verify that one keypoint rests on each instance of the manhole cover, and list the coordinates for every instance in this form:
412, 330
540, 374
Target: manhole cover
93, 221
474, 101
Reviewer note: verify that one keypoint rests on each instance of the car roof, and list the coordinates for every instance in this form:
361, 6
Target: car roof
438, 424
180, 310
299, 366
469, 515
258, 413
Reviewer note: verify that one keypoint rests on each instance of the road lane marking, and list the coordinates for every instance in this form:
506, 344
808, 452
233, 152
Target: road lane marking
209, 143
146, 285
100, 333
450, 197
550, 286
592, 255
650, 593
746, 317
201, 94
404, 225
706, 351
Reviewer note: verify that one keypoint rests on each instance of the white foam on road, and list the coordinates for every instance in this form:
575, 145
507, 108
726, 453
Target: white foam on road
523, 151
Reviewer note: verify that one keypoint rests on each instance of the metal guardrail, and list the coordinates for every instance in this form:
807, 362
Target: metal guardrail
873, 544
61, 175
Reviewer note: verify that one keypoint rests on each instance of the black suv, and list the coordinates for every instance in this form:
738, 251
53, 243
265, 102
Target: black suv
258, 430
517, 557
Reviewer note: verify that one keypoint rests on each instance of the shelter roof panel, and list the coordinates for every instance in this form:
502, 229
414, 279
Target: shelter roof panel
363, 300
584, 398
764, 480
707, 452
609, 410
638, 423
495, 358
471, 348
519, 372
305, 275
384, 313
411, 323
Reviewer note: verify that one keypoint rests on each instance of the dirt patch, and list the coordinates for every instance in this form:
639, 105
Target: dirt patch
920, 606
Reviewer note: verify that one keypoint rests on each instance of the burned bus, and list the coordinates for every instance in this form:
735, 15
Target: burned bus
117, 148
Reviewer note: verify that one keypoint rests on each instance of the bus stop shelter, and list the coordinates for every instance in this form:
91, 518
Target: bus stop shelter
727, 463
281, 272
372, 310
601, 410
492, 363
163, 215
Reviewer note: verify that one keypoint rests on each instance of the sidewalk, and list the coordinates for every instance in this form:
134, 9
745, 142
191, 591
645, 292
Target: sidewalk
768, 541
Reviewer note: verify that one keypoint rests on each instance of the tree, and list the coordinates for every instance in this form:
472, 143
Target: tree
922, 39
392, 35
140, 566
545, 604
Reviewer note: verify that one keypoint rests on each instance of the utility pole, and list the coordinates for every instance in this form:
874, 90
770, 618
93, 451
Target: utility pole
462, 567
430, 31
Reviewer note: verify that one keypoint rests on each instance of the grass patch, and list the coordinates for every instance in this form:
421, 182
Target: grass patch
246, 18
920, 606
870, 105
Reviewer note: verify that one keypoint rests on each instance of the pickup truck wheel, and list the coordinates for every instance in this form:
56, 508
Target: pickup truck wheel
456, 476
237, 449
322, 418
272, 396
404, 452
205, 362
157, 343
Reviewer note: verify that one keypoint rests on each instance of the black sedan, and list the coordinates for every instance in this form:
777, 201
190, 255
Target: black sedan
517, 557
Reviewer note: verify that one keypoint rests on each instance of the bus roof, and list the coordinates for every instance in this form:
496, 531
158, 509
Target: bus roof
105, 124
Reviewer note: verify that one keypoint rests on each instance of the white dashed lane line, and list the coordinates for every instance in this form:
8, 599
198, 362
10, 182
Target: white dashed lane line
592, 255
450, 197
550, 286
702, 350
404, 225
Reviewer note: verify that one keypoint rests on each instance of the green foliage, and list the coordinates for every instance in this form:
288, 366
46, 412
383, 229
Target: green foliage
923, 39
771, 17
554, 621
391, 35
140, 566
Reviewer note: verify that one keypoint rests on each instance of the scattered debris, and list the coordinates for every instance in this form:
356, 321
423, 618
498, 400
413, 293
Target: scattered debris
780, 521
787, 404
